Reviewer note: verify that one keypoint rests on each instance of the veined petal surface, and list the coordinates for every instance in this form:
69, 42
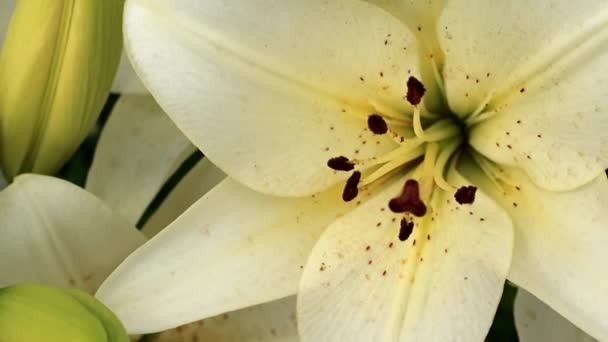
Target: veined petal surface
233, 248
362, 283
270, 101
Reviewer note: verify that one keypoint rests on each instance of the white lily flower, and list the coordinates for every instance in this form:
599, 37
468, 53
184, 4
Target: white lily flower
514, 117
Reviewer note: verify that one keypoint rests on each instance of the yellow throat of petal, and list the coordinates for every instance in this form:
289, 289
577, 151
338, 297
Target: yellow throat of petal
31, 312
56, 69
431, 141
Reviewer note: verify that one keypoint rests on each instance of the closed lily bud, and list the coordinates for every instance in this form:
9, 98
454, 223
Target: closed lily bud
31, 312
56, 70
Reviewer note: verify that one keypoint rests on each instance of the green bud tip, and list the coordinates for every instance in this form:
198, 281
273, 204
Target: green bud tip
30, 312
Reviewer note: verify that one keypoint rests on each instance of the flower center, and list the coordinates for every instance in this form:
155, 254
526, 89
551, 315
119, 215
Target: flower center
433, 139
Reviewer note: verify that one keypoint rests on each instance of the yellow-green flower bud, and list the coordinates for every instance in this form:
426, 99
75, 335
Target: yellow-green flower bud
31, 312
56, 70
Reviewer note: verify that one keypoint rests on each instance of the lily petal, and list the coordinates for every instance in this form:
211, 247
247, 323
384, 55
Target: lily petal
72, 242
233, 248
494, 48
444, 283
274, 321
270, 101
421, 18
555, 128
537, 322
126, 80
559, 247
138, 150
203, 177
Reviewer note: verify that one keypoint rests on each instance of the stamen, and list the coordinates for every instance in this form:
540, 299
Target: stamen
377, 124
425, 172
491, 170
394, 154
475, 119
409, 201
340, 163
401, 159
465, 194
405, 230
440, 130
444, 156
418, 130
351, 189
415, 91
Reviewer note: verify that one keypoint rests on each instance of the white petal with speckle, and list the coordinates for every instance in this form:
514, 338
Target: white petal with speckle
560, 247
362, 284
556, 129
493, 48
270, 90
233, 248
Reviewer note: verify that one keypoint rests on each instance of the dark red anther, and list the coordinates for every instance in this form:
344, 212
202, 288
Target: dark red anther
465, 195
340, 163
415, 91
377, 124
406, 229
409, 201
350, 189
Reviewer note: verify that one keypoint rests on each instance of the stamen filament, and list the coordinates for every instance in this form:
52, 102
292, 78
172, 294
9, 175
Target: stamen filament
393, 164
473, 120
444, 156
394, 154
490, 169
427, 177
440, 130
418, 130
482, 106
